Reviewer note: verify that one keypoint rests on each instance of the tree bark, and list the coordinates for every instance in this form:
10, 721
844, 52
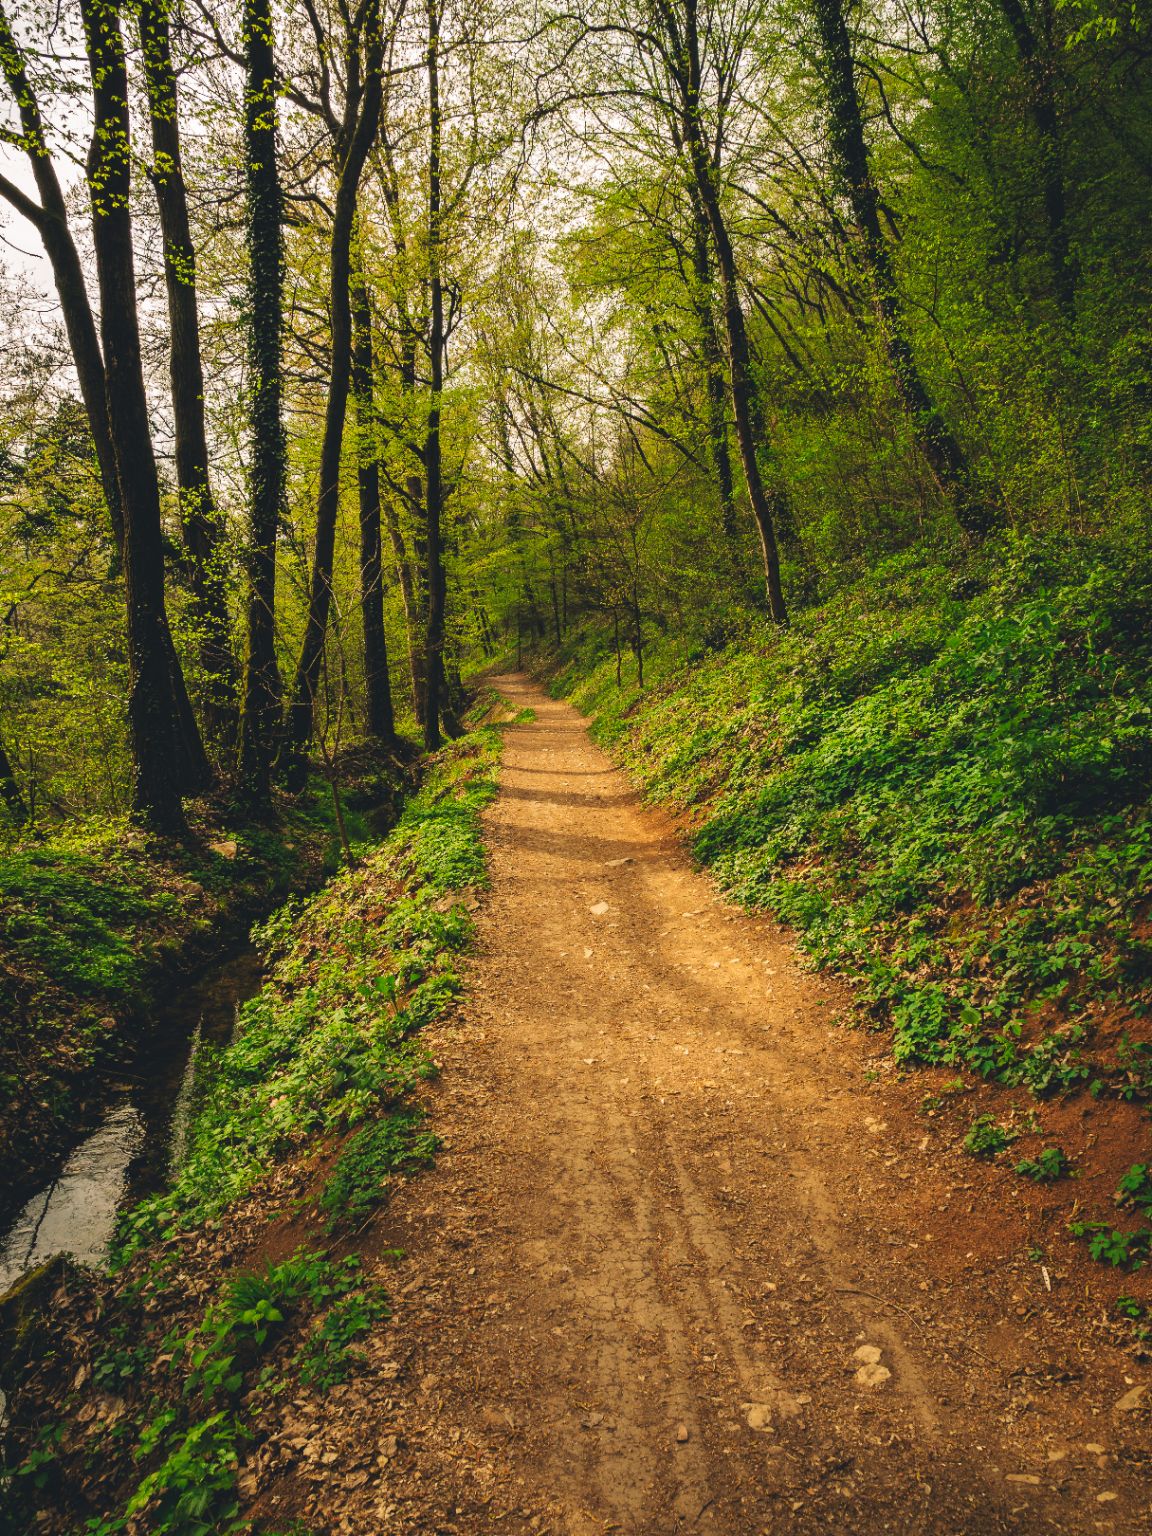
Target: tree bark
267, 476
408, 597
434, 487
358, 130
409, 567
766, 499
947, 459
714, 378
168, 753
682, 65
50, 219
199, 519
377, 686
1039, 69
10, 792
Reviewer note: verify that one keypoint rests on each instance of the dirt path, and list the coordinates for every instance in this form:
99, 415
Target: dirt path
673, 1208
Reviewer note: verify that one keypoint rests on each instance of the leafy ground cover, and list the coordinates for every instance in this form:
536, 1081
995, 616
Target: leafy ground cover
239, 1284
96, 924
940, 778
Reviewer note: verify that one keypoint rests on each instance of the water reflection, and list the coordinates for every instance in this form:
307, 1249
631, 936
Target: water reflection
142, 1136
76, 1213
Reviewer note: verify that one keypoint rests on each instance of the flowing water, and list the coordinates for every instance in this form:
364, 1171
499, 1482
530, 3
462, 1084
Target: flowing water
141, 1137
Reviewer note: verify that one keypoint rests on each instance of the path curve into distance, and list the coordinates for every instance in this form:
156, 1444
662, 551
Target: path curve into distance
674, 1271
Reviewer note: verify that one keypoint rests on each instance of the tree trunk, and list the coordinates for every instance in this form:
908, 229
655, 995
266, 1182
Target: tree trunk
554, 592
199, 519
50, 218
408, 593
1039, 69
409, 568
766, 500
361, 119
434, 488
268, 469
947, 459
714, 377
168, 753
10, 789
377, 686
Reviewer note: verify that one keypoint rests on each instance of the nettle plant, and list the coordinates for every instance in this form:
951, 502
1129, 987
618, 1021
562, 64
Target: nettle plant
1130, 1248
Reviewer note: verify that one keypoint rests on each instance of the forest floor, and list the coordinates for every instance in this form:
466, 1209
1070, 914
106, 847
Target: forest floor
691, 1259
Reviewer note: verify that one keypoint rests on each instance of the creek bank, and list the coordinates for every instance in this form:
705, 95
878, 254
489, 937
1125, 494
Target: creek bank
141, 1135
101, 929
154, 1395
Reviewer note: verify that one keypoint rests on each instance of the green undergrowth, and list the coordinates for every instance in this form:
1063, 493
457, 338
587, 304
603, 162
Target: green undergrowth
1128, 1247
332, 1039
96, 922
324, 1070
940, 778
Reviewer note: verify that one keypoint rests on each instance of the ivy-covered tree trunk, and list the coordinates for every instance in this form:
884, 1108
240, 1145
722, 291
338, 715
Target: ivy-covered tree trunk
352, 143
434, 485
168, 754
199, 519
938, 443
267, 476
377, 684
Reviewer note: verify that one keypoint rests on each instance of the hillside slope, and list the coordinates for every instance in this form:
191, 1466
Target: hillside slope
940, 778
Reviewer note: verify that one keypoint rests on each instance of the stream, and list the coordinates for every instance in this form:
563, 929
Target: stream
140, 1139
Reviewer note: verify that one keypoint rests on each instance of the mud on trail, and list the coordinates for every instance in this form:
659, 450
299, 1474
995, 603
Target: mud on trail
684, 1266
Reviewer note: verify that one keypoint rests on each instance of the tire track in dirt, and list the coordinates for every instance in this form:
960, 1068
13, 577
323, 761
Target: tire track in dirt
670, 1212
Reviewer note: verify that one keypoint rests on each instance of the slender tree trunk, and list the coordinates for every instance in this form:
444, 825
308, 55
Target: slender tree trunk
712, 354
10, 792
766, 500
555, 595
267, 476
947, 459
361, 120
408, 597
199, 519
377, 685
434, 489
1039, 71
409, 568
637, 616
168, 753
50, 218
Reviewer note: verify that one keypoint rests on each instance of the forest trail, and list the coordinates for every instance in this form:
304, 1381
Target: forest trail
685, 1264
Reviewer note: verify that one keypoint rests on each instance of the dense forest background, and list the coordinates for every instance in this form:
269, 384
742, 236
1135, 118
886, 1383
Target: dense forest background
383, 339
774, 378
